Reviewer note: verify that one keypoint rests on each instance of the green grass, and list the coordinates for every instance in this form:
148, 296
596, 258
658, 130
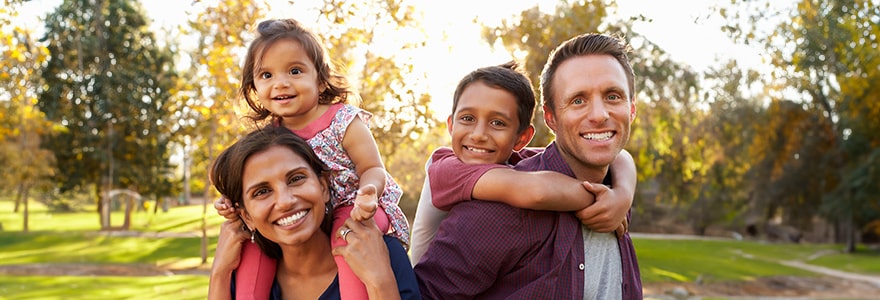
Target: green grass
104, 287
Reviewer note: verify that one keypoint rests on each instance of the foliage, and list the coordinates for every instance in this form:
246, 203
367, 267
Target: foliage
825, 62
115, 116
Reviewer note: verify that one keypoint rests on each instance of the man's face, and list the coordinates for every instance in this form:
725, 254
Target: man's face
592, 113
484, 125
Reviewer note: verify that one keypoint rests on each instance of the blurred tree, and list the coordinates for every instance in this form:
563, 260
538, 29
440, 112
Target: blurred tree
207, 118
825, 59
22, 125
115, 115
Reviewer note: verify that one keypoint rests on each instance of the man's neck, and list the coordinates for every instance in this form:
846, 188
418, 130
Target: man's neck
584, 172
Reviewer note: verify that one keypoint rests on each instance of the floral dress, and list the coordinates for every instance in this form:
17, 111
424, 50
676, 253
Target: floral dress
325, 136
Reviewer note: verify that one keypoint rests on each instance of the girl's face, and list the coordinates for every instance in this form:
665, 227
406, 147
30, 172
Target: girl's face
287, 82
284, 198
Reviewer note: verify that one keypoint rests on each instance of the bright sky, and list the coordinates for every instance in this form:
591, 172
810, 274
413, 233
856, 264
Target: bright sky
455, 47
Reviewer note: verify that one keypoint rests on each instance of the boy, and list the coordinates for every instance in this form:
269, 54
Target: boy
490, 127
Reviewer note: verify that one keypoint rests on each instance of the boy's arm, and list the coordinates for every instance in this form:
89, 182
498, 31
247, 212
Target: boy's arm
611, 207
538, 190
425, 223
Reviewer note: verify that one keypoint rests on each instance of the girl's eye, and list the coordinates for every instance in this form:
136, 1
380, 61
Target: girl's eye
295, 71
265, 75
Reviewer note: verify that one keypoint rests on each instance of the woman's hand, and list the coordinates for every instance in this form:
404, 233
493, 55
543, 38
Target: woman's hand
367, 256
226, 258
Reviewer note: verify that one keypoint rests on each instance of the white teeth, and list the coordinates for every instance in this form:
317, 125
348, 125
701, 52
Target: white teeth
293, 218
477, 150
598, 136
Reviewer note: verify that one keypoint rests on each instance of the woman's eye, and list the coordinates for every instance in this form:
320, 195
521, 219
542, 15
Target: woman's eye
259, 192
295, 71
296, 178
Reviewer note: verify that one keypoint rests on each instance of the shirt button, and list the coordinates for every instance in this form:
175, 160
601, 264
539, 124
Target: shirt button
581, 267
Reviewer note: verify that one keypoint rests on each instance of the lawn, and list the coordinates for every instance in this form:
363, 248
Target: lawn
73, 238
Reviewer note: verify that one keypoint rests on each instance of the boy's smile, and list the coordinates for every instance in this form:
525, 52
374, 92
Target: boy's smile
484, 125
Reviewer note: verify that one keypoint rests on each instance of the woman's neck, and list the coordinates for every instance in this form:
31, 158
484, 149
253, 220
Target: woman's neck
306, 270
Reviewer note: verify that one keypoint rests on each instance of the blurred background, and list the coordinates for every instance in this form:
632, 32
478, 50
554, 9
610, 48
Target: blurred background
756, 119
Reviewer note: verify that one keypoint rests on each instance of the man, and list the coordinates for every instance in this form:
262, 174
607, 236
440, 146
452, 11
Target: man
492, 250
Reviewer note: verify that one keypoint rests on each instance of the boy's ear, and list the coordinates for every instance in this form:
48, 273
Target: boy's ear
524, 138
449, 124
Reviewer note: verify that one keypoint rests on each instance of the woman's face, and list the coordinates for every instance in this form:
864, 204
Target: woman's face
284, 198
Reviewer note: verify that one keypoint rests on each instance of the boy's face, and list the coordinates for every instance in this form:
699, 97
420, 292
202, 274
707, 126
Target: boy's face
484, 125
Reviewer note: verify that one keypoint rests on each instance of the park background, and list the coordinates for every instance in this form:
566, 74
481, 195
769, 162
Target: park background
756, 125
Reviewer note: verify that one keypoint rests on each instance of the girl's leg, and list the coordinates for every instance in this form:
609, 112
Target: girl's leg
255, 274
350, 286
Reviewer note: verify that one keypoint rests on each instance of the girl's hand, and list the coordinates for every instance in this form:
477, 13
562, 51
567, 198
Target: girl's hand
607, 214
225, 208
365, 204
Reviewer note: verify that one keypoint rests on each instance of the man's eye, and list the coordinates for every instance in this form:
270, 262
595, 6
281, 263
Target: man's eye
578, 101
614, 97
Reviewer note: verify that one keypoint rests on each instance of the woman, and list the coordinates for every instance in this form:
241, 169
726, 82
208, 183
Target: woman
281, 189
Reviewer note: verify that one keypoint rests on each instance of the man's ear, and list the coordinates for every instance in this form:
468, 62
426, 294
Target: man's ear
549, 118
524, 138
632, 110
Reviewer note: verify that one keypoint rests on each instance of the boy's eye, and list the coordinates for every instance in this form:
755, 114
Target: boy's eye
466, 118
295, 71
498, 123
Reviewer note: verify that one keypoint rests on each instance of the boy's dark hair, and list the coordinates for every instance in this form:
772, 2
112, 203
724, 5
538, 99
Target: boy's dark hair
506, 77
227, 171
337, 89
581, 45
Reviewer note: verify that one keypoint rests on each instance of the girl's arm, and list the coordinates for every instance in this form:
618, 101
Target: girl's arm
609, 211
361, 147
548, 190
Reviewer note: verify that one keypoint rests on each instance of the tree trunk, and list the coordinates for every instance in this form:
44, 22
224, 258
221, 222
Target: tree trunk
129, 205
207, 195
18, 196
24, 198
850, 234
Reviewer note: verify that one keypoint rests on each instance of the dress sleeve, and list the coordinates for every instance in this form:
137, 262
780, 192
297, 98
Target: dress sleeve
403, 272
452, 181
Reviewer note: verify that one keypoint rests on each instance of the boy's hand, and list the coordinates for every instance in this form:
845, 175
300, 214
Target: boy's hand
622, 229
608, 213
365, 204
225, 208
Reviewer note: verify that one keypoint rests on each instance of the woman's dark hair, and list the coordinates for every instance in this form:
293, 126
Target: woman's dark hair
227, 172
